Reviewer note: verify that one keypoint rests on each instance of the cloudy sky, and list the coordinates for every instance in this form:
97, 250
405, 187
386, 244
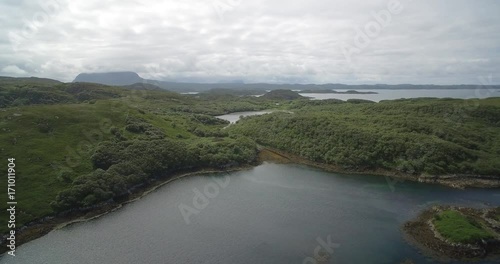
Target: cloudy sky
280, 41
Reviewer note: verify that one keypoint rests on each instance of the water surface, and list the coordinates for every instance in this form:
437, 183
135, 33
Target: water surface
233, 117
387, 94
268, 214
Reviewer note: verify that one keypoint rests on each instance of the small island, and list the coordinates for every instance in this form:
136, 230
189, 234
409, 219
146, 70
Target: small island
337, 92
457, 233
282, 95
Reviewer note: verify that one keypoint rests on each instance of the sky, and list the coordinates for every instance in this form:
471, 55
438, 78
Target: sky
279, 41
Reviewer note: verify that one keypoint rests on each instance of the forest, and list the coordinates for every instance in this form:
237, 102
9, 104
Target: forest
81, 145
415, 136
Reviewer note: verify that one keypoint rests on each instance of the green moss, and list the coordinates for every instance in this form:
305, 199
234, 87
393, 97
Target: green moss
459, 228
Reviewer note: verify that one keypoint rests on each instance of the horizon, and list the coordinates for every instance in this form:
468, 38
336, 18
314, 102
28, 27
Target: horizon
253, 83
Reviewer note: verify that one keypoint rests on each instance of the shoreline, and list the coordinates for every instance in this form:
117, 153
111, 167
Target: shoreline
422, 234
453, 181
145, 193
41, 227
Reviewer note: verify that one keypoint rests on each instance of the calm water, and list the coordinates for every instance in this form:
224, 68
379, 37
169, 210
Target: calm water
385, 94
269, 214
233, 117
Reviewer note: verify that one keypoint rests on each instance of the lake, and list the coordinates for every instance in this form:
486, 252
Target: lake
269, 214
386, 94
233, 117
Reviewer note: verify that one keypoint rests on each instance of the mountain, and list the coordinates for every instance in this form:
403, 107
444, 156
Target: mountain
129, 78
110, 78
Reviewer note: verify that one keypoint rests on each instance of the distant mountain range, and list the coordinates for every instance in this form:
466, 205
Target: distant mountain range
130, 78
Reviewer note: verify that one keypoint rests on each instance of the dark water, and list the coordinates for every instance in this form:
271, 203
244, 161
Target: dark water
269, 214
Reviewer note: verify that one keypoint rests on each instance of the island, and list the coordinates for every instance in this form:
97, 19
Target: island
282, 94
456, 233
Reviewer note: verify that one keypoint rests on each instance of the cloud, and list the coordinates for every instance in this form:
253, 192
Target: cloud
442, 42
13, 70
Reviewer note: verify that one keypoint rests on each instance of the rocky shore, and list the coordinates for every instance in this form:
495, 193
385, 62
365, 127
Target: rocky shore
454, 181
422, 233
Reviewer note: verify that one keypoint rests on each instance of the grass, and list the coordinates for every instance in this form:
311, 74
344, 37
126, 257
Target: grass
458, 228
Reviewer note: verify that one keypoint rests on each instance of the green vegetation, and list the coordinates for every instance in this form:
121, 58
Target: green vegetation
416, 136
78, 145
125, 164
282, 95
31, 91
458, 228
449, 231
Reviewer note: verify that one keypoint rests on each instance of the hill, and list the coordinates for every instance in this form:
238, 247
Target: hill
21, 92
415, 137
19, 81
282, 95
75, 143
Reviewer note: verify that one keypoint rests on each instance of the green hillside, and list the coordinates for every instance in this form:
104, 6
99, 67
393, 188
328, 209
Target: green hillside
78, 145
417, 136
59, 134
